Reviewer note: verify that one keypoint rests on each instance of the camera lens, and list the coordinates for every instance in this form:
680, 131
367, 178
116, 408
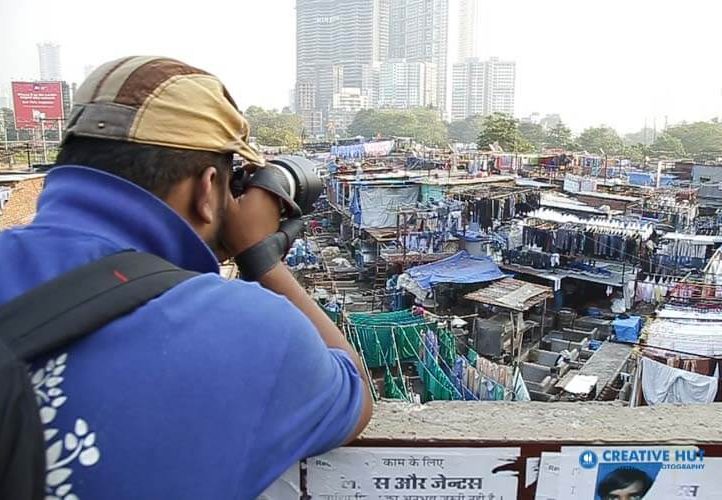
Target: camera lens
296, 176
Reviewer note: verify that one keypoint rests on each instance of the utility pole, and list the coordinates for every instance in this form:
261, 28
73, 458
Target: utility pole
5, 133
45, 145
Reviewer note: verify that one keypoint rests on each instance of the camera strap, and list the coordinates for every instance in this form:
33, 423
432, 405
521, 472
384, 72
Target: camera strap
257, 260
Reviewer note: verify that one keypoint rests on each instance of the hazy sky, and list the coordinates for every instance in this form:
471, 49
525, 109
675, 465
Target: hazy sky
612, 62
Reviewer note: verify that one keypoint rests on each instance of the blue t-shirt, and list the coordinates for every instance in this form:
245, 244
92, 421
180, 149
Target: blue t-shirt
210, 391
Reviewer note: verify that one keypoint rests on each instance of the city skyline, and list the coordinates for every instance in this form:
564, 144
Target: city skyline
601, 63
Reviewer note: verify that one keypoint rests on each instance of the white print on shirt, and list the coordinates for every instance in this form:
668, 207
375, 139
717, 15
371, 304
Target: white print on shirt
62, 451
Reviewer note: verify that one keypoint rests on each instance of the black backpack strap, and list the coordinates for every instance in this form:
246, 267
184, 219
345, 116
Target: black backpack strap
84, 300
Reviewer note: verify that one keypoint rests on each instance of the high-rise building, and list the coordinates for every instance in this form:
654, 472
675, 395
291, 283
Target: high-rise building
404, 84
502, 78
339, 45
418, 32
346, 103
483, 87
68, 95
49, 60
4, 98
468, 88
305, 96
469, 26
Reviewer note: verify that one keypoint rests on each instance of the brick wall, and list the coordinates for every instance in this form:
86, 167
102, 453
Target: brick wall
20, 208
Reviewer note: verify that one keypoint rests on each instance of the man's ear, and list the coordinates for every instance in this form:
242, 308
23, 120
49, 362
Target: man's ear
203, 196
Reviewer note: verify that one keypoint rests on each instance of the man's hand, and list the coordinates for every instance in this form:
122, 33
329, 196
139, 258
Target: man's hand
249, 219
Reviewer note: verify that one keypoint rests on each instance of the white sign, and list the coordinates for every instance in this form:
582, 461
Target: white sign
659, 473
547, 485
414, 474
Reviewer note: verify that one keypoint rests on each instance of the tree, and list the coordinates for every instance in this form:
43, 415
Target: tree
602, 138
698, 137
637, 152
668, 146
271, 128
503, 130
559, 137
466, 130
645, 136
534, 134
422, 124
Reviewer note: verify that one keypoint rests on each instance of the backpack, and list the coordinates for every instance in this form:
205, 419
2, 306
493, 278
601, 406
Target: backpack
47, 318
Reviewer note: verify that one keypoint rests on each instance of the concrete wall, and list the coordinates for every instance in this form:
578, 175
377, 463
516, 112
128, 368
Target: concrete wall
466, 428
20, 208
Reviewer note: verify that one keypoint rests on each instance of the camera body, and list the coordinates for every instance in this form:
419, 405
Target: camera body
292, 178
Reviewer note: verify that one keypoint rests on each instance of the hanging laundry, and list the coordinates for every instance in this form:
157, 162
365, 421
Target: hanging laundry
664, 384
381, 148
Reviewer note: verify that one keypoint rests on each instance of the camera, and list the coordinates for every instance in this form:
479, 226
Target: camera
293, 175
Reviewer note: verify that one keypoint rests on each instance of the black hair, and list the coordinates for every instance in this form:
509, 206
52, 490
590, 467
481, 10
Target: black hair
154, 168
624, 477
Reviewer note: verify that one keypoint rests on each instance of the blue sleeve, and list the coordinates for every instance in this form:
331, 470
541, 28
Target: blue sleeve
314, 405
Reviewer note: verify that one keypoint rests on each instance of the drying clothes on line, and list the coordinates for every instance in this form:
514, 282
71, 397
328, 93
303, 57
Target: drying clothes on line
661, 263
381, 148
486, 210
480, 386
532, 258
683, 248
629, 294
352, 151
654, 290
588, 267
571, 240
664, 384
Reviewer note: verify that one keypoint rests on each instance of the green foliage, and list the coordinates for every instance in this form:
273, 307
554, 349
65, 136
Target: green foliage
602, 138
271, 128
698, 137
637, 152
467, 130
668, 146
504, 130
534, 134
560, 137
644, 137
422, 124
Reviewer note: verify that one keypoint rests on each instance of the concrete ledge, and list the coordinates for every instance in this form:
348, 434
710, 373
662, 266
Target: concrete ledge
448, 423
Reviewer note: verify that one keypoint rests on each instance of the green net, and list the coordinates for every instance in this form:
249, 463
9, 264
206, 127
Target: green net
472, 356
387, 339
377, 331
437, 384
447, 348
394, 387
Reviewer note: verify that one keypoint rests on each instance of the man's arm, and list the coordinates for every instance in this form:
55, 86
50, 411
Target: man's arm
249, 220
280, 280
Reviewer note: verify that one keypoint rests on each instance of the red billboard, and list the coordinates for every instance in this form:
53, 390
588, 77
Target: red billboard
37, 102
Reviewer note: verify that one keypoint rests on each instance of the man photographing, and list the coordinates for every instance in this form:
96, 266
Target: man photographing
216, 387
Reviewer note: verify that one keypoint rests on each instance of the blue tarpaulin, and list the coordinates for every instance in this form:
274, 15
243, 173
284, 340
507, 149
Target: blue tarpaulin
459, 268
650, 179
627, 329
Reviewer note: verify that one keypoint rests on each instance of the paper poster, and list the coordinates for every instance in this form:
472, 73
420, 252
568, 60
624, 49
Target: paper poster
532, 471
659, 473
547, 485
414, 474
